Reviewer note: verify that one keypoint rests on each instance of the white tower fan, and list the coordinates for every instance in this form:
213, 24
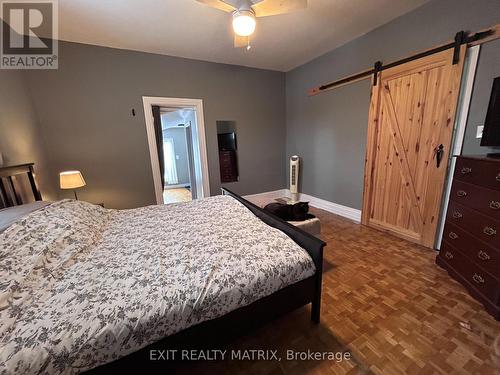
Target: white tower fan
294, 179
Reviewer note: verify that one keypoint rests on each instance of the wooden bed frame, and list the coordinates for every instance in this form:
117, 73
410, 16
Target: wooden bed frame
217, 332
9, 194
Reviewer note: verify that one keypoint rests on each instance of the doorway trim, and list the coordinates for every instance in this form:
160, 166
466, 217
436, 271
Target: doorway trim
464, 100
200, 142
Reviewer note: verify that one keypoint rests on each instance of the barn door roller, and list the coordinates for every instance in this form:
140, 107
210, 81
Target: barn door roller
460, 38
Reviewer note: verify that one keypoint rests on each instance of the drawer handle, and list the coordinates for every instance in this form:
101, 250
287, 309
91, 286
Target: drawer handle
489, 231
453, 235
457, 215
466, 170
478, 279
448, 255
483, 255
498, 177
494, 205
461, 193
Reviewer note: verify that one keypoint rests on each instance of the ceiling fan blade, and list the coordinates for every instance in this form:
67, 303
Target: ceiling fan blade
273, 7
240, 41
218, 4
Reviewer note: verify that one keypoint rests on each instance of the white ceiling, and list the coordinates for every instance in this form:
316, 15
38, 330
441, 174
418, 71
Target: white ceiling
187, 28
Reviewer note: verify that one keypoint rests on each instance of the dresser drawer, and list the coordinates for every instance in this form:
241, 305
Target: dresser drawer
479, 172
226, 164
477, 251
453, 257
481, 226
480, 280
481, 199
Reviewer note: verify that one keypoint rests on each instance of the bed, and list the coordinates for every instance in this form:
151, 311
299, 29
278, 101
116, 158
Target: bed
84, 288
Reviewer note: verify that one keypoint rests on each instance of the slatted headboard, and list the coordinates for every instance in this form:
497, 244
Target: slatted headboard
9, 195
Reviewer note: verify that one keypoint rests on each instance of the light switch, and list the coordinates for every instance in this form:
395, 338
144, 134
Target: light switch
479, 132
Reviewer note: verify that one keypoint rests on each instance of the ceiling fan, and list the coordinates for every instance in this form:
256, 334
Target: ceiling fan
245, 12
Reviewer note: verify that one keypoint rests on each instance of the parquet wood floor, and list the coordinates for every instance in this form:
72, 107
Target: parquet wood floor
384, 301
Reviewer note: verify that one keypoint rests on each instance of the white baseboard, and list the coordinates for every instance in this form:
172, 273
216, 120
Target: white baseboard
334, 208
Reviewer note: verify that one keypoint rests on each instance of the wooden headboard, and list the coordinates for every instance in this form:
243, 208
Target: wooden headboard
9, 195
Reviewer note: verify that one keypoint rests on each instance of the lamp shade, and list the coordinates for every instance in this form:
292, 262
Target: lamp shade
71, 180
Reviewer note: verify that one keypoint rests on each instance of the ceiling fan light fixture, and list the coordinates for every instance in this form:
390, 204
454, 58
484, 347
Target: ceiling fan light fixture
244, 22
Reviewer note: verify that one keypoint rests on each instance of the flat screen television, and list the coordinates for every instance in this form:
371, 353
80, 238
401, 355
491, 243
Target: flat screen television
227, 141
491, 130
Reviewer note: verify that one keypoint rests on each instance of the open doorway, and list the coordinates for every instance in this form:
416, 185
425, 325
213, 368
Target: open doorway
177, 148
179, 180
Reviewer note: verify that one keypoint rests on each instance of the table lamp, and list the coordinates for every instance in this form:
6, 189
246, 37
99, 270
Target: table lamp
71, 180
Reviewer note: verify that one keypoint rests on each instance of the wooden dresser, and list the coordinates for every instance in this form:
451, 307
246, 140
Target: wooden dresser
228, 166
470, 250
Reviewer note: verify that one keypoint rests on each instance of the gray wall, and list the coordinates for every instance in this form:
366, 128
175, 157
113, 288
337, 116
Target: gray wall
329, 130
85, 109
180, 147
20, 135
488, 68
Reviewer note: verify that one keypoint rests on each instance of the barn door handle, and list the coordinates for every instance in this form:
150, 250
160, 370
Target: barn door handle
439, 151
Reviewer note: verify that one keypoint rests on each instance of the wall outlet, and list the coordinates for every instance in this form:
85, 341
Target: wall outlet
479, 132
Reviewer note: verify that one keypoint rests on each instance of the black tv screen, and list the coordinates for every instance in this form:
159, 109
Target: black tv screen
491, 130
227, 141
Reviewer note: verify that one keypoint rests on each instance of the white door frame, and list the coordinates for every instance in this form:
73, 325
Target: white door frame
199, 141
467, 84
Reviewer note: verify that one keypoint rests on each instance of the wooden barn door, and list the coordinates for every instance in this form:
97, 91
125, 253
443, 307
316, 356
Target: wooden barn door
412, 113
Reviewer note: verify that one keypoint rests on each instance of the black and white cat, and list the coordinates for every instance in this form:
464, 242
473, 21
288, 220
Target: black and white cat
290, 212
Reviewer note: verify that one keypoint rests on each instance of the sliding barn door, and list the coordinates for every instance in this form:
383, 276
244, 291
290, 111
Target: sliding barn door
412, 114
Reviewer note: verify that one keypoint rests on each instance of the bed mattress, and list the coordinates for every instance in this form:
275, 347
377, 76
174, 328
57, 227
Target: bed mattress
81, 285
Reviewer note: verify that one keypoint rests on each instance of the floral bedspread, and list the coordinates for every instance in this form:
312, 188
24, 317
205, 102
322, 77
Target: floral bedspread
81, 285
